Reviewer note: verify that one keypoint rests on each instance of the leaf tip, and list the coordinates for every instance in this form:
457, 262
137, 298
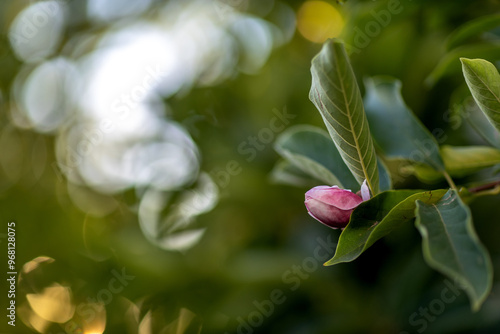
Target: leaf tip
329, 263
465, 61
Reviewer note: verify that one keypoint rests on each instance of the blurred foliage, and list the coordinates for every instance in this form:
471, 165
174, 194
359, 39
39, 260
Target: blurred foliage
234, 65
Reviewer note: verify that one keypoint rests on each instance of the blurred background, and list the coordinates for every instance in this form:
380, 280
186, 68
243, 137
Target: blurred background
136, 159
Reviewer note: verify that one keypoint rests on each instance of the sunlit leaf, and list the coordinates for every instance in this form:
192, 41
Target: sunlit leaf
484, 83
395, 129
451, 246
472, 28
459, 162
311, 150
376, 218
336, 94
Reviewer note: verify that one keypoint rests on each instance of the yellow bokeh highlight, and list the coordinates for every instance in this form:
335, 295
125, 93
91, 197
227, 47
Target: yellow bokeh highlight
53, 304
318, 20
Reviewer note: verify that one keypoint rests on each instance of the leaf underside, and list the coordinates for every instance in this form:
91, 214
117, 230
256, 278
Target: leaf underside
395, 129
484, 83
311, 150
336, 95
451, 246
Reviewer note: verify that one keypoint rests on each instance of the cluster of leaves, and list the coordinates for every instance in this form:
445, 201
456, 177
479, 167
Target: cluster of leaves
363, 133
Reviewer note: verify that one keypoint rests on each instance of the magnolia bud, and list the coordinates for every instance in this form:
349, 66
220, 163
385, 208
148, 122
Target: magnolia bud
333, 206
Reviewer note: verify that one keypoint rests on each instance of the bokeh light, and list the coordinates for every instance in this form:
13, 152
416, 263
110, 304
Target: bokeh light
105, 97
37, 30
53, 303
318, 20
136, 142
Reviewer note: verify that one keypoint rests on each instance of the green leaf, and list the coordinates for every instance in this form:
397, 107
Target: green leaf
484, 83
472, 28
284, 172
451, 246
459, 162
311, 150
480, 123
450, 62
376, 218
336, 94
464, 108
395, 129
423, 172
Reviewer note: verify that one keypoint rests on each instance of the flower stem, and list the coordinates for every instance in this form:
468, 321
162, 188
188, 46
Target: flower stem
450, 181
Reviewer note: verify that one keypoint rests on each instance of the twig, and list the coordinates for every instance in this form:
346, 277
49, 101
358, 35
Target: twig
482, 187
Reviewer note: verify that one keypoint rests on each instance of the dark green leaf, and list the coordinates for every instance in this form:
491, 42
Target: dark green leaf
484, 83
472, 28
376, 218
451, 246
395, 129
450, 62
336, 94
311, 150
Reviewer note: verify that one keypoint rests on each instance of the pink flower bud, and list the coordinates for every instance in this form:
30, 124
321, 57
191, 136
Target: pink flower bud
333, 206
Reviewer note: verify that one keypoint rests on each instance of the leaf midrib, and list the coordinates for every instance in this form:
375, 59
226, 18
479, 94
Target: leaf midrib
448, 236
361, 161
485, 85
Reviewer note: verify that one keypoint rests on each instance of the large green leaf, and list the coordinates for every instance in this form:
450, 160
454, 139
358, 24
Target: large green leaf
395, 129
472, 28
484, 83
311, 150
460, 161
450, 62
376, 218
451, 246
336, 94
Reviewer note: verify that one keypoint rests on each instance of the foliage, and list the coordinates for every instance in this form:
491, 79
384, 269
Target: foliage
136, 160
450, 243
